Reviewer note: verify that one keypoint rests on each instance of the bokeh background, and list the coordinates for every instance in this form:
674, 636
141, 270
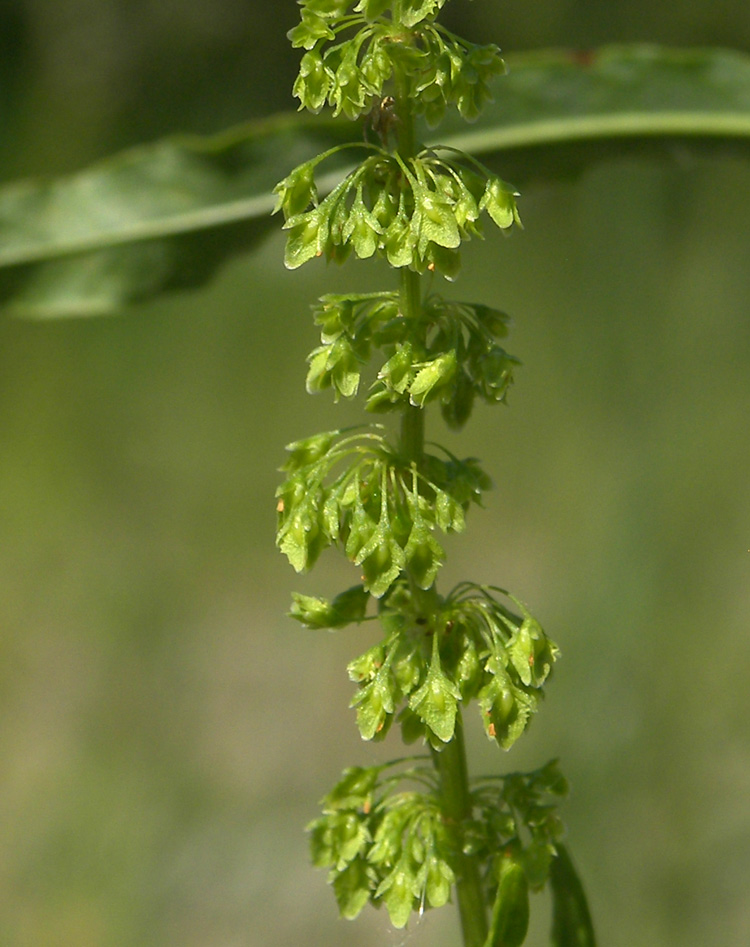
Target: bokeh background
165, 731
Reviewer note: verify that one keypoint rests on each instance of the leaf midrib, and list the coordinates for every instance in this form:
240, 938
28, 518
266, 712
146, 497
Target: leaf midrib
532, 133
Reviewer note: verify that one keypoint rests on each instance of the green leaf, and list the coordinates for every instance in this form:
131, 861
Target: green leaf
165, 216
510, 912
156, 218
571, 920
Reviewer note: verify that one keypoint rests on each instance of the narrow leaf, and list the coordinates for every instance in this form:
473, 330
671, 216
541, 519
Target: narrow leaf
510, 912
159, 217
571, 920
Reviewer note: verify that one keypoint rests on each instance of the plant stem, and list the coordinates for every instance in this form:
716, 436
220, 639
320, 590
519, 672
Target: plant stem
412, 434
406, 140
412, 420
450, 764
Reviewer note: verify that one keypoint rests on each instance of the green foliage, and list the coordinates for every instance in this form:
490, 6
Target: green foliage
510, 912
571, 921
135, 226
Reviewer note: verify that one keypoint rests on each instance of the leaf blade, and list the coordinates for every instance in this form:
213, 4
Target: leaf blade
571, 919
166, 216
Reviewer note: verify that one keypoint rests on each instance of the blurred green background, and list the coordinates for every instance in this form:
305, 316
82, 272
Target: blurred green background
165, 731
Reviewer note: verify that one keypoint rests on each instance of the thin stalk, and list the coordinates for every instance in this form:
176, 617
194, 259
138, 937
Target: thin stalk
410, 301
450, 764
412, 434
406, 139
412, 420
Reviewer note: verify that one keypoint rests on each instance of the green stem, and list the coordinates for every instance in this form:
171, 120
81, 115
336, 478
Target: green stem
406, 139
412, 434
450, 764
412, 420
410, 301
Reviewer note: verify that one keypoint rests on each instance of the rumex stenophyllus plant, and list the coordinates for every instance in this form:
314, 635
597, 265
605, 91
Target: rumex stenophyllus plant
166, 214
413, 834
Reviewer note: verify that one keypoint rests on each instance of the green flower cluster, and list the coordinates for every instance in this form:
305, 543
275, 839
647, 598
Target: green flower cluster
449, 356
384, 846
391, 846
387, 504
413, 212
439, 652
350, 75
379, 508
